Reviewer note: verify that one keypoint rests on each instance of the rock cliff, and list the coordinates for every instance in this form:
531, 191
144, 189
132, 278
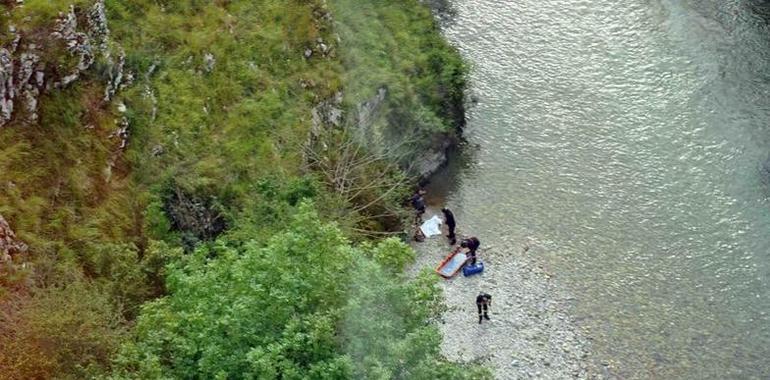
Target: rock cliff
10, 245
28, 68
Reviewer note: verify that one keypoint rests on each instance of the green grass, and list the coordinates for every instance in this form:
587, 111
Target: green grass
403, 51
230, 141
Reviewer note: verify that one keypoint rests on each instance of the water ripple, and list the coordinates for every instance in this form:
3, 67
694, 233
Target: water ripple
626, 137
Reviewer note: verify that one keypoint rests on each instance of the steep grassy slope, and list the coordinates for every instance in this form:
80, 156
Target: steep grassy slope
405, 81
219, 120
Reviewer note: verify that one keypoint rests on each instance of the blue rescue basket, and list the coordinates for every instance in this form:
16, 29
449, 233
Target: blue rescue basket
470, 270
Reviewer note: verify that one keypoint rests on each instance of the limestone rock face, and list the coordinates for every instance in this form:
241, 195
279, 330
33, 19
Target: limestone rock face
20, 78
419, 155
80, 43
28, 85
327, 113
429, 161
367, 110
7, 89
25, 74
208, 62
118, 78
98, 31
10, 246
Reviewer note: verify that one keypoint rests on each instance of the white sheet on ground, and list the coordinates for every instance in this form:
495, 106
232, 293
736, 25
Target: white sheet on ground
432, 226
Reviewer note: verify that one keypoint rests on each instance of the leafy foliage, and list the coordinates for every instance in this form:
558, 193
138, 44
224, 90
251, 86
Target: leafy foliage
273, 312
199, 206
239, 311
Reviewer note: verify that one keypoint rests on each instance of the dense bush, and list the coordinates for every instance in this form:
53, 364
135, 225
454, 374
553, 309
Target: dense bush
306, 305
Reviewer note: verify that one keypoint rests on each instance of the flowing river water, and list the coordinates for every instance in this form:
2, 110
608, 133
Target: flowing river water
627, 141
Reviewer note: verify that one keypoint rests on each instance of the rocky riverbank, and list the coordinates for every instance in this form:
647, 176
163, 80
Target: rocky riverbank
530, 335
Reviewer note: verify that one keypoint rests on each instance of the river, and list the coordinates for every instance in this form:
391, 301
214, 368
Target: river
625, 140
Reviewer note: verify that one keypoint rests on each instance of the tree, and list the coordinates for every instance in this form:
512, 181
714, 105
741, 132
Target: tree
262, 312
307, 305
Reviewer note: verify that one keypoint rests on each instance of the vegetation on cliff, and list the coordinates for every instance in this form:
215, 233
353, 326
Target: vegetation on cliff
167, 231
402, 57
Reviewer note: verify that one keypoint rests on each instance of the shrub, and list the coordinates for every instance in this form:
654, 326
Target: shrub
307, 305
68, 331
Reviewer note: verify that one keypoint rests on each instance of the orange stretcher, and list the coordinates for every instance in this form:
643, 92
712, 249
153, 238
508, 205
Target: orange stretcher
451, 264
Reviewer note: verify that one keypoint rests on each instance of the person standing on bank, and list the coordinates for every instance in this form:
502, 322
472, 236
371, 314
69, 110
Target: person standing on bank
472, 243
449, 219
418, 202
483, 301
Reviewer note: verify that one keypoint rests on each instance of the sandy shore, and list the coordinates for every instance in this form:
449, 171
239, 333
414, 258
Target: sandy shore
530, 335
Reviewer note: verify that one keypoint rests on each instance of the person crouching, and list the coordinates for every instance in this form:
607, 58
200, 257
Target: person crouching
472, 244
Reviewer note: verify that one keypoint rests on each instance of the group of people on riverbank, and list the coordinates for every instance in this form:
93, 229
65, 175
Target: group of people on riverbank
471, 244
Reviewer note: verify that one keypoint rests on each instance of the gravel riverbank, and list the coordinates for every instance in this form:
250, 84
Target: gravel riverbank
530, 334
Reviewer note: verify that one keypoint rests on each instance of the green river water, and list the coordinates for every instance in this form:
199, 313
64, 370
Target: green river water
625, 141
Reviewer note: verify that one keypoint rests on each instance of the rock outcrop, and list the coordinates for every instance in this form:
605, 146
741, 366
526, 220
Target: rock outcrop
432, 159
442, 9
26, 71
118, 78
10, 245
208, 62
7, 88
80, 43
382, 130
327, 113
21, 78
367, 111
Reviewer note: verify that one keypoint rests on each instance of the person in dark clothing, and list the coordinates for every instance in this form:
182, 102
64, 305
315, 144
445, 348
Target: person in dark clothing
449, 218
483, 301
418, 202
472, 243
